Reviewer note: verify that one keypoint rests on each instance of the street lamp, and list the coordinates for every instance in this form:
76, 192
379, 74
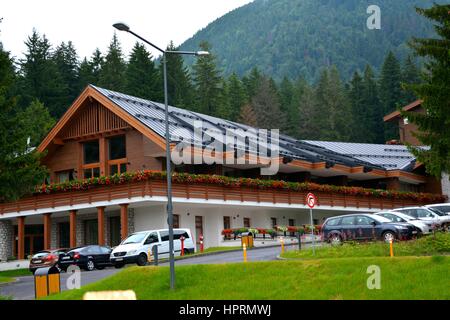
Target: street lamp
124, 27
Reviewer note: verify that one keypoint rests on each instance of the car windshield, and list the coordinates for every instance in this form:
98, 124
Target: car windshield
404, 216
381, 219
444, 209
135, 238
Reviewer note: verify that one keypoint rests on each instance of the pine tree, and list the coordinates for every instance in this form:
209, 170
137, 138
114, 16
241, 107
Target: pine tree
374, 131
142, 79
89, 72
248, 116
20, 169
208, 82
334, 107
66, 60
251, 82
309, 118
37, 121
266, 105
236, 96
112, 74
358, 109
179, 83
410, 75
40, 78
390, 92
434, 123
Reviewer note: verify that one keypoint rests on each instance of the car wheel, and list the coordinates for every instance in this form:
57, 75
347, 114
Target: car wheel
90, 265
388, 236
119, 266
335, 239
142, 260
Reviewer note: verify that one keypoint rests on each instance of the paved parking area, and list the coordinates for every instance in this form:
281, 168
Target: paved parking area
23, 289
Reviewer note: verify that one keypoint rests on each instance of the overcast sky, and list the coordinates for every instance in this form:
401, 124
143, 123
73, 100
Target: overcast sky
88, 23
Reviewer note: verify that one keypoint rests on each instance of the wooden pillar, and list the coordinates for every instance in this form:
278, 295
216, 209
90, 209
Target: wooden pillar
101, 225
103, 149
21, 238
73, 228
47, 231
124, 221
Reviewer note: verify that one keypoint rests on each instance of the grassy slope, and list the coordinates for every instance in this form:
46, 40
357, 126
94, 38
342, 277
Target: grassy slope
401, 278
8, 276
429, 245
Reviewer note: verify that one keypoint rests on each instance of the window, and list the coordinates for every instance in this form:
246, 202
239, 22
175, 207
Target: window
152, 238
363, 221
246, 222
64, 176
164, 235
91, 152
226, 222
117, 156
333, 222
176, 221
177, 235
117, 148
274, 222
422, 213
91, 159
348, 220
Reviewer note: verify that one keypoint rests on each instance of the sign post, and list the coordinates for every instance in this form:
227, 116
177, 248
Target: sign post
311, 201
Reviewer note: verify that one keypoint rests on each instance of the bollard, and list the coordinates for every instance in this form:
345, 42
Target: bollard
282, 245
391, 245
182, 245
201, 243
155, 255
149, 256
244, 248
299, 242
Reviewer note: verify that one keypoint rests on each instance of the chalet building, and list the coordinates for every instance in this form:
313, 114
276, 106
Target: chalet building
106, 134
406, 133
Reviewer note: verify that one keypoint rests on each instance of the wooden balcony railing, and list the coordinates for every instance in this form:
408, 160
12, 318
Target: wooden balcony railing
153, 188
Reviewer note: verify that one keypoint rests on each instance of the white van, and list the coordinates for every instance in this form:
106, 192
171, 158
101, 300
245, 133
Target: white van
136, 247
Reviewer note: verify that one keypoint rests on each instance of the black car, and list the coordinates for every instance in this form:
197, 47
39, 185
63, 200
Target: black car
88, 258
362, 227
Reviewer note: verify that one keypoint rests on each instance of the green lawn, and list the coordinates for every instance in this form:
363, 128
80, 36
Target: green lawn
8, 276
438, 244
401, 278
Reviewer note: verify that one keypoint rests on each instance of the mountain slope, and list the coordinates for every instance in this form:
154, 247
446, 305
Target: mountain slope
299, 37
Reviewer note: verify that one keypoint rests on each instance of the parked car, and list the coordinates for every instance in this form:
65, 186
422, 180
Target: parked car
45, 259
396, 216
443, 210
88, 258
366, 227
425, 214
136, 247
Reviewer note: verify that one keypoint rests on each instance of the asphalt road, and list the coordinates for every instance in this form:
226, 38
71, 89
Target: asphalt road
23, 289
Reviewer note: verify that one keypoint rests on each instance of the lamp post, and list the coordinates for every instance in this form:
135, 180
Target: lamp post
124, 27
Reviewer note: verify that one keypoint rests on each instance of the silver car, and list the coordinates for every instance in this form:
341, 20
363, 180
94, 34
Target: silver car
424, 214
396, 216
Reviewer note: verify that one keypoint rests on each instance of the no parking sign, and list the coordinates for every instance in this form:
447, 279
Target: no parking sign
311, 201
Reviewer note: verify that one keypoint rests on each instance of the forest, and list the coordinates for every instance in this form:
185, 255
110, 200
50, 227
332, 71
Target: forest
49, 78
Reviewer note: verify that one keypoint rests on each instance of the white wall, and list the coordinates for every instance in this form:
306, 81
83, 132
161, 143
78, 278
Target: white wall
154, 217
446, 186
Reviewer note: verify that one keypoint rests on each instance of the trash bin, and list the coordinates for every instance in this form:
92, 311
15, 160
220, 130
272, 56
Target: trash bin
46, 282
247, 239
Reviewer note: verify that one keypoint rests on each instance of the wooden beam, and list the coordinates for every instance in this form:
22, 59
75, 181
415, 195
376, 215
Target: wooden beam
21, 238
73, 228
124, 220
47, 231
101, 225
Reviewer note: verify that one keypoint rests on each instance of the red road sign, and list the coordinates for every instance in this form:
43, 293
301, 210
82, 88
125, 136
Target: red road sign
311, 200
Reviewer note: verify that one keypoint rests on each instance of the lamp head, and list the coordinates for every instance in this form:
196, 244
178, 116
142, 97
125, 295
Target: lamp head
202, 53
121, 26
